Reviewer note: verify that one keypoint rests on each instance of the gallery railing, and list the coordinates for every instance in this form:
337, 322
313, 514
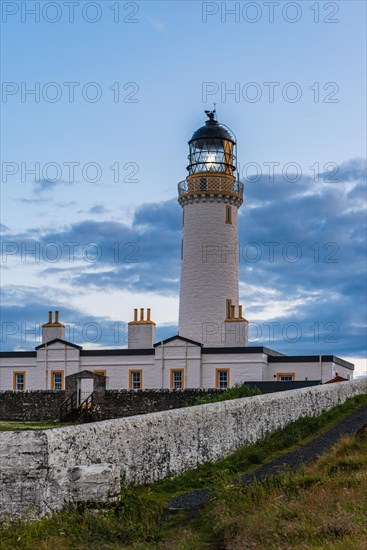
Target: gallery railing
216, 185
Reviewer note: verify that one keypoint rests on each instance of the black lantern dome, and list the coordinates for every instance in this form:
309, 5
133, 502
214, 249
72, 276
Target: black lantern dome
212, 149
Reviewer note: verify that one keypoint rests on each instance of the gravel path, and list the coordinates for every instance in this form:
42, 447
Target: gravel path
307, 453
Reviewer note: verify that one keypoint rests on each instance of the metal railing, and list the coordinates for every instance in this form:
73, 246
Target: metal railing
218, 185
74, 404
70, 404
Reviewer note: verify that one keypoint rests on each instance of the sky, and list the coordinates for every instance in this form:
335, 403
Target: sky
98, 102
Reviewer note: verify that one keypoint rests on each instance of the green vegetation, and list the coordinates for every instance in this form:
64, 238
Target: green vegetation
17, 426
320, 506
236, 391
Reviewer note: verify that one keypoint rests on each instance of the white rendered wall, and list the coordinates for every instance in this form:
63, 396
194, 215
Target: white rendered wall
178, 354
9, 365
243, 367
199, 369
324, 371
57, 356
117, 369
209, 270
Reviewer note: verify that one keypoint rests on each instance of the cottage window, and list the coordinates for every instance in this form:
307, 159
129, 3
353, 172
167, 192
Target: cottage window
57, 380
135, 382
285, 376
19, 381
177, 379
222, 379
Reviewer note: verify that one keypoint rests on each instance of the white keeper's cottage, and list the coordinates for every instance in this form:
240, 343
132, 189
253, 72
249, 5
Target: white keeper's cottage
211, 348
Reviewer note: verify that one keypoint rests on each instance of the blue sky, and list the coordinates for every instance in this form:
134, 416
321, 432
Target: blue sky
140, 86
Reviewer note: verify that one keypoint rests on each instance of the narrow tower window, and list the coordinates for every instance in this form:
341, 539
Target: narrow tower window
181, 249
228, 309
228, 214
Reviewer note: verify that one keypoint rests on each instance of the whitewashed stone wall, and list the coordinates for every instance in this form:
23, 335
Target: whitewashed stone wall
41, 471
209, 270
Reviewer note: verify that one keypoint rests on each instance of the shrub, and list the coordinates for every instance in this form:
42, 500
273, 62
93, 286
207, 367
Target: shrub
235, 392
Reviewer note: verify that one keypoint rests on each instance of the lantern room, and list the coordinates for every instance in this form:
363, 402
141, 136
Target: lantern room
212, 149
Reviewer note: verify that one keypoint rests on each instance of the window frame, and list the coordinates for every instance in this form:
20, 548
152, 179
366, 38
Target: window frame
58, 371
131, 382
280, 374
15, 374
217, 378
172, 373
228, 214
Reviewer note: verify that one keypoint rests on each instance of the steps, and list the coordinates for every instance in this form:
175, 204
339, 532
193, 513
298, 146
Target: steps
73, 409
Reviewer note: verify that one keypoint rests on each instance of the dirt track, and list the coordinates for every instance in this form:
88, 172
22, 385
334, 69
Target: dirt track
307, 453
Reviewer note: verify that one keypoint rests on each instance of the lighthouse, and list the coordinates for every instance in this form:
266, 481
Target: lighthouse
210, 197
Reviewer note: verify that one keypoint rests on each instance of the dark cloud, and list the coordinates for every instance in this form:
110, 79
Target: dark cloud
305, 241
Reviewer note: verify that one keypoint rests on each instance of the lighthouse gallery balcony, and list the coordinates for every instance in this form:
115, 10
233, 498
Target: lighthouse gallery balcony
210, 185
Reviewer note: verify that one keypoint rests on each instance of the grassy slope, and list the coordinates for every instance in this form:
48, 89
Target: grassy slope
320, 506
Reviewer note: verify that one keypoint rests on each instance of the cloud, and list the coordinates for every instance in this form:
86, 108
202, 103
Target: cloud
42, 185
109, 254
37, 201
66, 204
301, 258
97, 209
21, 326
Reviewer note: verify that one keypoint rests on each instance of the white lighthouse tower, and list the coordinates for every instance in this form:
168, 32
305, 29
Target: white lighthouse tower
210, 198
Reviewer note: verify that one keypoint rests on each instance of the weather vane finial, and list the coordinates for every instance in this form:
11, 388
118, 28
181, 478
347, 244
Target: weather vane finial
210, 114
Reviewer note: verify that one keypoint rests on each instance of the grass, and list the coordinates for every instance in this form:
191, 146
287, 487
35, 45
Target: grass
322, 505
18, 426
235, 392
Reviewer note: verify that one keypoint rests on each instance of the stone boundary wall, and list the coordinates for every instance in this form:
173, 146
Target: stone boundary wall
122, 403
30, 405
42, 471
39, 405
44, 404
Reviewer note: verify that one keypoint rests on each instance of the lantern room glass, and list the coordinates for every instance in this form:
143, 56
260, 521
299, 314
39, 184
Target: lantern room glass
211, 155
